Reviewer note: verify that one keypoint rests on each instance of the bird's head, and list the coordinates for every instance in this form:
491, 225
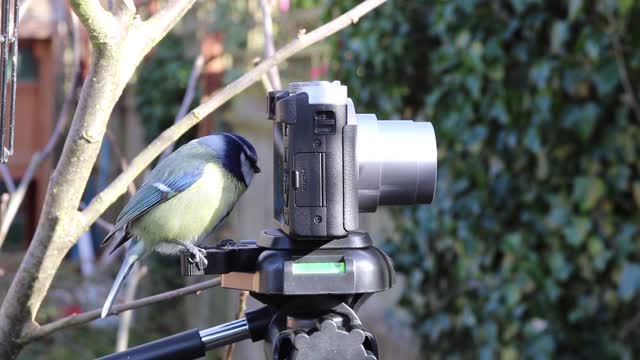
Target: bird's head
235, 153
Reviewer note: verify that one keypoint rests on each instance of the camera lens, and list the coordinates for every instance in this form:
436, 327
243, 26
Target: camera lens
397, 162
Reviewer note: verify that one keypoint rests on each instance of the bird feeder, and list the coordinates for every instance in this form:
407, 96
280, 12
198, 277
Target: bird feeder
9, 64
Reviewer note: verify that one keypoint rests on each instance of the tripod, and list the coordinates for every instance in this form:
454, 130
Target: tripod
311, 290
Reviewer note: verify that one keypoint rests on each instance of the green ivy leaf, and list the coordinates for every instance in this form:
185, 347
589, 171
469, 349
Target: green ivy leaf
521, 5
560, 267
532, 140
582, 118
635, 189
559, 36
606, 77
576, 231
629, 282
540, 73
575, 8
587, 191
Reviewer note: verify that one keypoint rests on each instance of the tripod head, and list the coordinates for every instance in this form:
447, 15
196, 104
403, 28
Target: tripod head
315, 270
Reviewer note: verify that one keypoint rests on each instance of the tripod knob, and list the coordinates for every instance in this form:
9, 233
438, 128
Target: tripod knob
331, 343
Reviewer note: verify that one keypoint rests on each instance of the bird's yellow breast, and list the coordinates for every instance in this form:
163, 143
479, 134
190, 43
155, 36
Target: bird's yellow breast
192, 214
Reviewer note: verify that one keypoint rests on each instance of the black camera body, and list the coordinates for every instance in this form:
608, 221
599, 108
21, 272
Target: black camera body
331, 163
315, 181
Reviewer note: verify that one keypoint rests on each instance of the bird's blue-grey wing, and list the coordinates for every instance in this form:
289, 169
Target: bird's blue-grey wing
146, 198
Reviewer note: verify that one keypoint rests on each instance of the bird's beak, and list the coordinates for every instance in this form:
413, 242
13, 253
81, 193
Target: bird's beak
256, 169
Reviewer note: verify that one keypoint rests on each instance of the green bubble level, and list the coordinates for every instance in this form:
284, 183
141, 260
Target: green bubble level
318, 268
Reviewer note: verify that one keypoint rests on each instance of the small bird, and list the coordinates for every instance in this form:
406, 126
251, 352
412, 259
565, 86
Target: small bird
186, 198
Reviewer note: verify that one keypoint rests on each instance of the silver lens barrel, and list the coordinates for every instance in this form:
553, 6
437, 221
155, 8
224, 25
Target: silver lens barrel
397, 162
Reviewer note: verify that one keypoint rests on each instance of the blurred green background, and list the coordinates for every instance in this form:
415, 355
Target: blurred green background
531, 247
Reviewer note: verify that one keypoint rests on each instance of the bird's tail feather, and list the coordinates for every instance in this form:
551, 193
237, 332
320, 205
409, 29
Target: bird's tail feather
133, 255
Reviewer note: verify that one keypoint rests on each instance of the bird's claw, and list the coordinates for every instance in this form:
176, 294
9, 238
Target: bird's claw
198, 257
226, 244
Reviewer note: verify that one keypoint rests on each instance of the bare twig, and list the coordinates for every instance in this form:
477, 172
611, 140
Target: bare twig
107, 226
104, 224
123, 9
38, 332
24, 6
266, 83
618, 52
124, 164
7, 179
4, 200
164, 20
74, 81
122, 337
100, 221
137, 272
268, 50
189, 94
104, 199
629, 327
242, 308
17, 196
269, 45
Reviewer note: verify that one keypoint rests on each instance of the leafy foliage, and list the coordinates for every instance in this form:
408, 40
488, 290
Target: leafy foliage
162, 83
531, 247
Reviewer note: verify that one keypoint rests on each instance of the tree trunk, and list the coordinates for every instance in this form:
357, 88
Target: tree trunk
61, 223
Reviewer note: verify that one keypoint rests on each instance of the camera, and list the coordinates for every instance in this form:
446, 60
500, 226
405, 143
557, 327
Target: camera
332, 163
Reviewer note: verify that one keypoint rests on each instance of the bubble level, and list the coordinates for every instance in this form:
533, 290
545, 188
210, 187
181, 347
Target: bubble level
318, 268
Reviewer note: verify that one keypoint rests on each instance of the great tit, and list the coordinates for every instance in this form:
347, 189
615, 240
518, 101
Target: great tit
185, 199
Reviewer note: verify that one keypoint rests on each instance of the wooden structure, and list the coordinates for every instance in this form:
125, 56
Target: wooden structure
39, 65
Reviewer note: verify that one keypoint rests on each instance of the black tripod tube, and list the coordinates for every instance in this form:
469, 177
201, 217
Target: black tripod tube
190, 344
225, 334
194, 343
186, 345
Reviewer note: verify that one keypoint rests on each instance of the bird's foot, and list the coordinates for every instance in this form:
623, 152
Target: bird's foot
226, 244
198, 256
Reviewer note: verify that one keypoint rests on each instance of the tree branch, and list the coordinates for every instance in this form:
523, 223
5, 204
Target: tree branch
618, 52
269, 46
109, 195
100, 24
117, 51
104, 224
155, 28
38, 332
266, 82
7, 179
74, 82
24, 7
189, 94
124, 164
242, 308
124, 325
